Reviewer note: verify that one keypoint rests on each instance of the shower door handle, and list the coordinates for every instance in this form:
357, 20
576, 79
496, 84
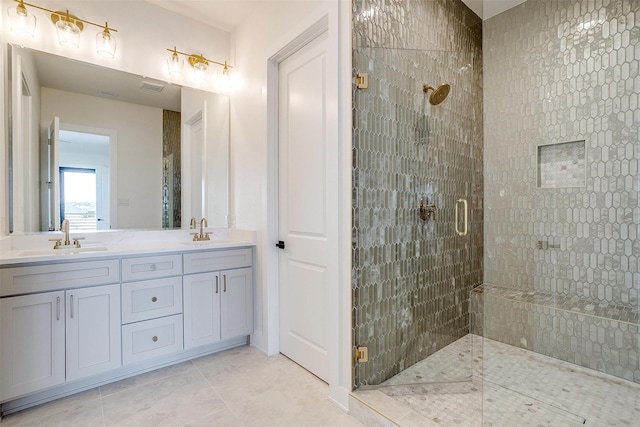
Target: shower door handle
462, 232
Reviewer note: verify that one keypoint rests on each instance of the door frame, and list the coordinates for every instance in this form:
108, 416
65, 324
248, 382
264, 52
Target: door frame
337, 24
113, 164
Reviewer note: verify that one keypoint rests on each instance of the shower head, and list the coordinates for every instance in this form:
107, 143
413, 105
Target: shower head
439, 94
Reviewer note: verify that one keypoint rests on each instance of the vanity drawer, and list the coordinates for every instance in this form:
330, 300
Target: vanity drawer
226, 259
43, 278
151, 298
151, 338
151, 267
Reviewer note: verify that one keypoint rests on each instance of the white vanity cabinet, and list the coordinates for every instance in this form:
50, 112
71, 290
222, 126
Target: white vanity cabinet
52, 337
32, 343
218, 296
151, 308
92, 335
66, 326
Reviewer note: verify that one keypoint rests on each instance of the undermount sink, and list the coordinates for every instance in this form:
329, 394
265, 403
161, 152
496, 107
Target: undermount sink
206, 242
91, 247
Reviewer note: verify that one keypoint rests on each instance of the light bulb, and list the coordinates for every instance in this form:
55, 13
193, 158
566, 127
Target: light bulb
175, 64
106, 42
200, 65
225, 79
21, 21
68, 32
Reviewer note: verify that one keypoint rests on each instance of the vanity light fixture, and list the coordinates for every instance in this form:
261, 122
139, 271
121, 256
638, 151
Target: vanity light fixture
175, 64
67, 26
198, 62
21, 21
105, 42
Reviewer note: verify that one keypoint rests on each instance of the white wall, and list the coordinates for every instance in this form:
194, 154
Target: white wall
253, 172
139, 149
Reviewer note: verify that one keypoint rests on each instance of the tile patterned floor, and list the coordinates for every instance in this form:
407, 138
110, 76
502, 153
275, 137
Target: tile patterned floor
239, 387
242, 387
509, 387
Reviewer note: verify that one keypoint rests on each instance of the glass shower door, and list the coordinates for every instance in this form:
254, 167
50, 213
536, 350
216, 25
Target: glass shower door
417, 217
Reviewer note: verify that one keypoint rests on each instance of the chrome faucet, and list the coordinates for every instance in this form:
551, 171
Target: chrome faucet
203, 235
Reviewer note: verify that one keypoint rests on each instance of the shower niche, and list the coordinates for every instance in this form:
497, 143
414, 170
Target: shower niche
561, 165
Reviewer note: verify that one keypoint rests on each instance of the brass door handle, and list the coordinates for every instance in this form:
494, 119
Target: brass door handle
462, 232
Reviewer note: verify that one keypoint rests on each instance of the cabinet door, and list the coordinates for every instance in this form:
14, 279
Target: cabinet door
236, 307
31, 343
93, 330
201, 309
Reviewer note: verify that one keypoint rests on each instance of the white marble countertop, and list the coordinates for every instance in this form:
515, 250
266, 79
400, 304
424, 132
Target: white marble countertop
36, 247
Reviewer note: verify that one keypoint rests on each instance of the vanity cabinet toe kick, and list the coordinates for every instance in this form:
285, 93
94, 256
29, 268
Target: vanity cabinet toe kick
70, 326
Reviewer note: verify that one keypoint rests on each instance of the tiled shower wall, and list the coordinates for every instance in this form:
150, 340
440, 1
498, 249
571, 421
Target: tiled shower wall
559, 71
171, 169
412, 278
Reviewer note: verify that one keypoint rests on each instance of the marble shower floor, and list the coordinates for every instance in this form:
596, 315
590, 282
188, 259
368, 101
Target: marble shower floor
509, 386
238, 387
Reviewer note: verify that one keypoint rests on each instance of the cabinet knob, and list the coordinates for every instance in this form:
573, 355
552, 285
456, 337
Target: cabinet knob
154, 339
153, 267
154, 299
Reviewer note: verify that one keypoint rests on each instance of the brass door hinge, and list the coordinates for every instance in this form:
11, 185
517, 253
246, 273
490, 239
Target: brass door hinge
362, 354
362, 81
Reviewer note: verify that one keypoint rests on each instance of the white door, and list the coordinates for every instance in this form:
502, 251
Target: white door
31, 343
103, 220
93, 330
307, 206
51, 201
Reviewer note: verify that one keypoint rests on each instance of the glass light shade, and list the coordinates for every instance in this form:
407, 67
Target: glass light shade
21, 21
175, 65
199, 71
106, 44
225, 80
68, 34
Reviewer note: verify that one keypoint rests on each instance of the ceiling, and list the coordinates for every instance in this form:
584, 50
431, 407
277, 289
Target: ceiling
88, 79
485, 9
228, 14
223, 14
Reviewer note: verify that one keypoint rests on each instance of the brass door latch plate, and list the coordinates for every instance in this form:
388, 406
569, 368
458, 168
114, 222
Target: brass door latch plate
362, 80
362, 354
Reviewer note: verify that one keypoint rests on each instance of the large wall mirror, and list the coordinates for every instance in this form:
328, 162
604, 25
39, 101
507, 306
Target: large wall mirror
111, 150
